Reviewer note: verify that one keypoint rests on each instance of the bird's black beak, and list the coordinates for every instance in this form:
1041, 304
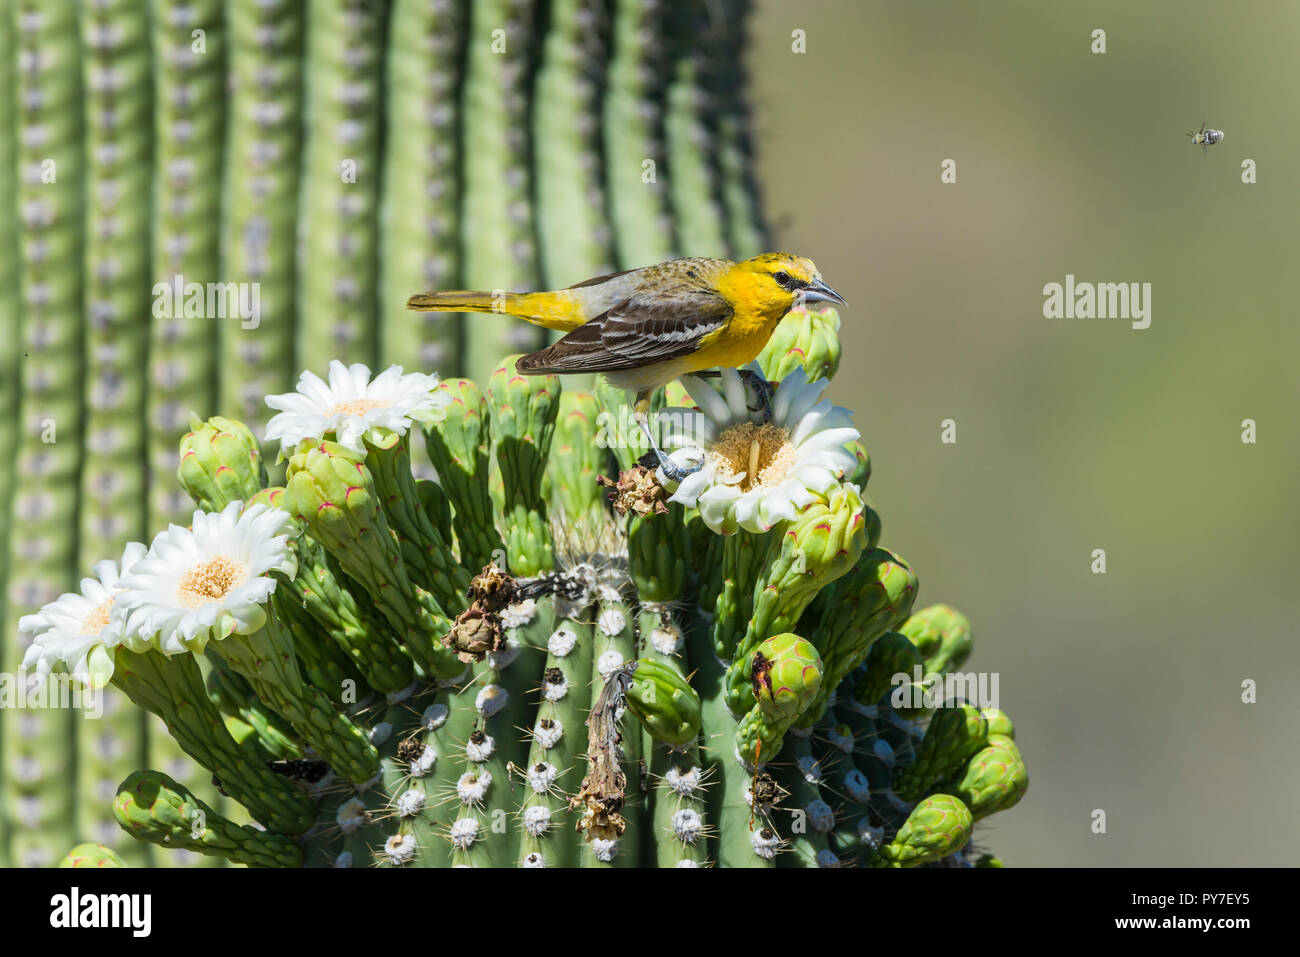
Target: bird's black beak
818, 291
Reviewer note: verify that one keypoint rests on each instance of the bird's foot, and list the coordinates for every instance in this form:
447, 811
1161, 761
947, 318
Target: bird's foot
755, 384
672, 472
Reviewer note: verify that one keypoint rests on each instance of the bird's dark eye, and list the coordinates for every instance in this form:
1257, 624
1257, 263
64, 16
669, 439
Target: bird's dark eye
782, 278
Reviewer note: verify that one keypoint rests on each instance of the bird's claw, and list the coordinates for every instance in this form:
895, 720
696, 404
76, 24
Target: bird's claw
672, 472
762, 390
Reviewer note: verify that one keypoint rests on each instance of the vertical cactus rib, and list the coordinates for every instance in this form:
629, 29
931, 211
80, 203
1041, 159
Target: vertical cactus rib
496, 208
633, 135
572, 225
39, 748
694, 180
119, 169
10, 348
260, 206
337, 228
747, 232
189, 96
420, 205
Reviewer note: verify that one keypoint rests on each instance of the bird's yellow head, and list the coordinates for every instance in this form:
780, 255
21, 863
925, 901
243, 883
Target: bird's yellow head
776, 281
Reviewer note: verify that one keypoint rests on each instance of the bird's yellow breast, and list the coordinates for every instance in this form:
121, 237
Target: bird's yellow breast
758, 305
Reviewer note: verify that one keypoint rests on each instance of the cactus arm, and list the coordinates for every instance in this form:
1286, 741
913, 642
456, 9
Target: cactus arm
260, 205
189, 116
420, 190
747, 232
496, 216
337, 230
152, 807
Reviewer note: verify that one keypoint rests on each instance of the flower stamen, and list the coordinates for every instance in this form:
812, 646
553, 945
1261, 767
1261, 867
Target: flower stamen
210, 581
753, 456
98, 619
356, 407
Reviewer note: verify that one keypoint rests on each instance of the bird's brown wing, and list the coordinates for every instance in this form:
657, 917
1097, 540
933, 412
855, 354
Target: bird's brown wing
633, 334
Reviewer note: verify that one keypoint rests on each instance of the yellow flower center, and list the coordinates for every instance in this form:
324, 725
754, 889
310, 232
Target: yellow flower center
97, 619
763, 453
356, 407
210, 581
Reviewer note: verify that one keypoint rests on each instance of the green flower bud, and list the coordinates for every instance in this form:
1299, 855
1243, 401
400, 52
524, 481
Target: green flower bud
329, 489
807, 338
785, 677
953, 737
664, 702
938, 826
861, 473
789, 678
999, 723
154, 808
822, 543
942, 635
92, 855
220, 463
995, 779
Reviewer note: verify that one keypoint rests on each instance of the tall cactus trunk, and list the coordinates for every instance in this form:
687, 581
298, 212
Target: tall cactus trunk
39, 746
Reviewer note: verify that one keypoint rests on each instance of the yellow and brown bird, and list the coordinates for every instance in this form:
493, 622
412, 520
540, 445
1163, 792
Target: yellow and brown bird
643, 328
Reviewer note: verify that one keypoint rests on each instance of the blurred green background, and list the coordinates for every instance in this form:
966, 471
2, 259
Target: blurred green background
1074, 434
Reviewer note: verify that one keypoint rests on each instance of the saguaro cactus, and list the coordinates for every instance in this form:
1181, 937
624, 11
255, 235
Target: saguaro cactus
535, 678
459, 650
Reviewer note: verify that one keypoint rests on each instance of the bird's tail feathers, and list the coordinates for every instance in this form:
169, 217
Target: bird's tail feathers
462, 300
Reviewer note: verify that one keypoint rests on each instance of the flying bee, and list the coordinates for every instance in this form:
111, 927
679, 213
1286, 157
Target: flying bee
1205, 138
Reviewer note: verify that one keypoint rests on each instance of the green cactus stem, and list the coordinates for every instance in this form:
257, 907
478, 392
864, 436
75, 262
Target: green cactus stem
172, 688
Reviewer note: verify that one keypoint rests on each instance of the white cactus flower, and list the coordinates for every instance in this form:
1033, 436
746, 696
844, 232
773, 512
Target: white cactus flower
757, 474
207, 581
77, 632
352, 405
